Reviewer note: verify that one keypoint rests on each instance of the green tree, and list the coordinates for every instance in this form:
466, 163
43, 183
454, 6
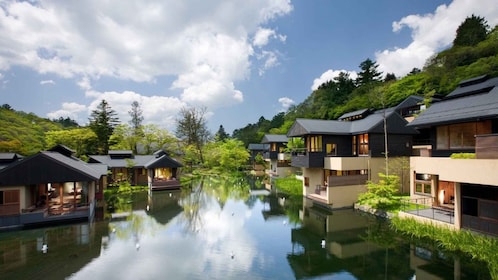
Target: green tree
136, 123
103, 120
82, 140
369, 73
228, 155
472, 31
66, 122
155, 138
191, 127
381, 195
221, 135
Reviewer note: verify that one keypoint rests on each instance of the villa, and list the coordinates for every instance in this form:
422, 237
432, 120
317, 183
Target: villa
276, 156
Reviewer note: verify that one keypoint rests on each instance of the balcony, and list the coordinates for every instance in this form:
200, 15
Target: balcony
474, 171
346, 163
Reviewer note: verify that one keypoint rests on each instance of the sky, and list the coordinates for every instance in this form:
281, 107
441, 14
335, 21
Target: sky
239, 60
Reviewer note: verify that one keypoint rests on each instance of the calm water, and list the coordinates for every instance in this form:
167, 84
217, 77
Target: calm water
225, 230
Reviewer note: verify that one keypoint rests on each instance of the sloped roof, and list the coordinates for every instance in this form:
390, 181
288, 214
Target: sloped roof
10, 156
162, 161
48, 166
258, 147
374, 123
455, 110
360, 112
481, 84
275, 138
147, 161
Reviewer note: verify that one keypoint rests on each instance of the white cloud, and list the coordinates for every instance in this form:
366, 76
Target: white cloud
285, 102
69, 109
330, 75
160, 110
142, 41
432, 32
47, 82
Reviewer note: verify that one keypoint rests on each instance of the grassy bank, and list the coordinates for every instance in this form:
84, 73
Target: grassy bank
478, 246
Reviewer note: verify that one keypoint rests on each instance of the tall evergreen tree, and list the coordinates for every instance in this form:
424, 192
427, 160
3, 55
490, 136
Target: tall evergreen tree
472, 31
136, 123
103, 120
369, 73
221, 135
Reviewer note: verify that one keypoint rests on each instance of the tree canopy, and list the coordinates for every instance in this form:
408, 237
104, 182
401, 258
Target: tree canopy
103, 120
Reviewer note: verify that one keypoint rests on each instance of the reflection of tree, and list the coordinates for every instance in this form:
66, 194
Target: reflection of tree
201, 188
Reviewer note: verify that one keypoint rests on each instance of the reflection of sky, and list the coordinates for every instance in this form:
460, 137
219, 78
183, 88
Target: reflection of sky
169, 251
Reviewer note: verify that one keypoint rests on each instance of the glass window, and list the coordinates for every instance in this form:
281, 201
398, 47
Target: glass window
315, 143
354, 145
363, 140
331, 149
460, 136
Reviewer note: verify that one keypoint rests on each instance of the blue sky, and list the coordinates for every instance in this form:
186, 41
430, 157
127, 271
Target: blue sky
239, 59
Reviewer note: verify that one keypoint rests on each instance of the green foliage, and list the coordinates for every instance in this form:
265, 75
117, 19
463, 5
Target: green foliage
290, 185
23, 133
381, 195
221, 134
191, 128
480, 247
463, 155
259, 159
103, 120
228, 155
82, 140
472, 31
369, 73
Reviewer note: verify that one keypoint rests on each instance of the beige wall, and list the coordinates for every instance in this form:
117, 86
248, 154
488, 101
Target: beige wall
346, 196
474, 171
315, 176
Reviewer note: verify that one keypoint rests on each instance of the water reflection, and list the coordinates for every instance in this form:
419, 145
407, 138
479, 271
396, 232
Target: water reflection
226, 228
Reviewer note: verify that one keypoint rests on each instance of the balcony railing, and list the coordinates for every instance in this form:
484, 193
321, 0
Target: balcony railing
423, 207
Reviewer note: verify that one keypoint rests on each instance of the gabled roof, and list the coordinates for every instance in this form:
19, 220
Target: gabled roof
481, 84
467, 108
274, 138
373, 123
258, 147
358, 113
162, 161
10, 156
410, 101
48, 166
65, 150
158, 159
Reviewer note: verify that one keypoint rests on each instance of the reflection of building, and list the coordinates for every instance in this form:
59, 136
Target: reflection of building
49, 186
70, 248
163, 206
464, 122
345, 249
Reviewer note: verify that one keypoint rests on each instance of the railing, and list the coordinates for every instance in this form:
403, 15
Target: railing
299, 152
423, 207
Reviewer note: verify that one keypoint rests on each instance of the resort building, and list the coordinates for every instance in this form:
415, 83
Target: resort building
278, 160
158, 171
463, 124
341, 155
50, 186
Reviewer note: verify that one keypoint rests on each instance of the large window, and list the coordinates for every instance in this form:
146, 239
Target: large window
315, 143
273, 147
460, 136
331, 149
423, 184
363, 144
355, 145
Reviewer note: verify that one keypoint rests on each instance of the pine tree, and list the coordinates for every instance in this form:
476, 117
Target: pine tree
103, 120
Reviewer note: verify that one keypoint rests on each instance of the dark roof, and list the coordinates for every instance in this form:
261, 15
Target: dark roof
466, 108
359, 113
10, 156
481, 84
258, 147
373, 123
162, 161
48, 166
410, 101
275, 138
147, 161
63, 150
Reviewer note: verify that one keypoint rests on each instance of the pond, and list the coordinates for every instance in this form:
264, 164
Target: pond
226, 229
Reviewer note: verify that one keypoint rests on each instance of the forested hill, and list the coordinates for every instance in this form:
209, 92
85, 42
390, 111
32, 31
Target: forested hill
474, 53
22, 132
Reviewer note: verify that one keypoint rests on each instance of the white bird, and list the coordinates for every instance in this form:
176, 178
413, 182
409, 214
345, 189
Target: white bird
44, 248
323, 243
137, 246
284, 222
232, 255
